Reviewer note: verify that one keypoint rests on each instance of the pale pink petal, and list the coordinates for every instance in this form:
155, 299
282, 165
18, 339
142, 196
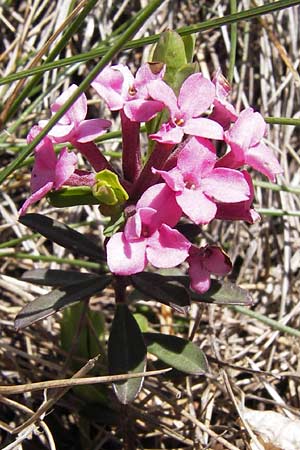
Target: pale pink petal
61, 133
65, 167
88, 130
44, 166
77, 112
262, 159
35, 197
216, 261
161, 198
143, 221
226, 185
141, 110
222, 84
197, 157
146, 73
160, 91
109, 84
196, 205
126, 258
173, 178
204, 128
248, 130
167, 248
168, 134
196, 95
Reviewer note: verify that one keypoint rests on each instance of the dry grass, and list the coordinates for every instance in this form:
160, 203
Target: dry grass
251, 363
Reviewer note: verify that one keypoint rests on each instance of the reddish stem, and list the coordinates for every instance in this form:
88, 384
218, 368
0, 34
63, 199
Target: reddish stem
147, 178
131, 155
94, 156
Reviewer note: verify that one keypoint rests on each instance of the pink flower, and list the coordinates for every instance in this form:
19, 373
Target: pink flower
198, 185
244, 139
148, 235
120, 90
224, 112
205, 261
195, 97
72, 126
49, 172
239, 210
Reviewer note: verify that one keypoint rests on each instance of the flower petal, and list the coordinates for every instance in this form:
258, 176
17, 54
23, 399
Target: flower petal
35, 197
216, 261
199, 275
196, 95
141, 110
204, 128
168, 134
167, 248
197, 206
261, 158
65, 167
77, 112
126, 258
226, 185
160, 91
248, 130
88, 130
44, 165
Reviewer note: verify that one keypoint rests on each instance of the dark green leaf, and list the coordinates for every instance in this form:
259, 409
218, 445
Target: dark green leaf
219, 293
163, 289
126, 353
49, 277
58, 299
62, 235
179, 353
189, 45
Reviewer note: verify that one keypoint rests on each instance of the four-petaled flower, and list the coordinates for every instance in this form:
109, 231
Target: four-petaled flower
198, 185
72, 126
148, 235
196, 95
121, 90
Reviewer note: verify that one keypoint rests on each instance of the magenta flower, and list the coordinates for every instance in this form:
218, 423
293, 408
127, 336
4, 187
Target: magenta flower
239, 210
198, 185
224, 112
205, 261
120, 90
49, 172
72, 126
244, 139
148, 236
195, 97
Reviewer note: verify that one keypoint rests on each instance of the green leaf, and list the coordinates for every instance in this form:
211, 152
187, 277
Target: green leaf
58, 299
114, 225
219, 293
189, 45
63, 235
179, 353
223, 293
142, 321
163, 289
50, 277
126, 353
170, 50
71, 196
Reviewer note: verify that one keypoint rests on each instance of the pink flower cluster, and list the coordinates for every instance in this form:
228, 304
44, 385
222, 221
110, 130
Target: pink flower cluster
183, 176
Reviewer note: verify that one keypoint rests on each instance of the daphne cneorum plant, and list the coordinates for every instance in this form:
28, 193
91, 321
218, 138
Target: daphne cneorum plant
182, 181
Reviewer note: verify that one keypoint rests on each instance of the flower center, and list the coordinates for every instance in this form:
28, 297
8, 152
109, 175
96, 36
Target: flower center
132, 91
179, 122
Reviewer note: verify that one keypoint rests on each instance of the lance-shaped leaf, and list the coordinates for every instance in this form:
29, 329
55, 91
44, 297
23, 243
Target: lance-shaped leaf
163, 289
58, 299
126, 353
71, 196
51, 277
176, 352
219, 293
62, 234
